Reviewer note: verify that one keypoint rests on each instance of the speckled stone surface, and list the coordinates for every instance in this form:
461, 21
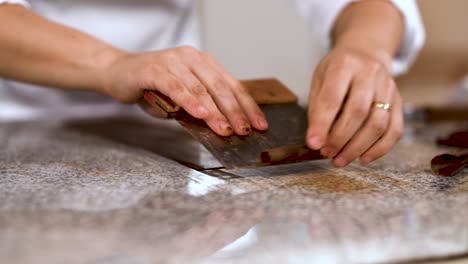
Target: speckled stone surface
67, 196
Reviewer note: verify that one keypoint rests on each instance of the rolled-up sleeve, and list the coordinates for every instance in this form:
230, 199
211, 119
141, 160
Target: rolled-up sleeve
321, 16
19, 2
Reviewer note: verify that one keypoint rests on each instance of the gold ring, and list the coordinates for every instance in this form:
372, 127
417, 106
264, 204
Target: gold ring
384, 106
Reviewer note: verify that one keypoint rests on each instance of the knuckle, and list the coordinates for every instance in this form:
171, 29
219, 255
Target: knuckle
373, 67
155, 68
341, 67
359, 111
345, 60
218, 85
379, 126
175, 87
240, 89
198, 90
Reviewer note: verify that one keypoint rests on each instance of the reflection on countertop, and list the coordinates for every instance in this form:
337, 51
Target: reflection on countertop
69, 195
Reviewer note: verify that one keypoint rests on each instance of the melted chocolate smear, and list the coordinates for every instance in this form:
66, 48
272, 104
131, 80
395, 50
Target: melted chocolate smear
289, 154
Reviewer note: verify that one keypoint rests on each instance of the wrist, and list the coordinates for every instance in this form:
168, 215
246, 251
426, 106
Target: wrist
102, 63
372, 28
373, 52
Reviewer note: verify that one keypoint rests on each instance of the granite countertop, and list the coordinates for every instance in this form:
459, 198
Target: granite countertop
68, 195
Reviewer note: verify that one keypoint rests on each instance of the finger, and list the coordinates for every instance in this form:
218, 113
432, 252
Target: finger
251, 109
324, 107
391, 137
169, 85
355, 112
245, 100
215, 120
374, 128
314, 91
315, 86
223, 96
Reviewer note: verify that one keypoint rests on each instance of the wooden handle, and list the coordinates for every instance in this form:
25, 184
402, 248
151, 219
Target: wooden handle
263, 91
159, 100
153, 109
269, 91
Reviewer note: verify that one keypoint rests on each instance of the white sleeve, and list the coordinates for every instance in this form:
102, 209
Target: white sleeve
321, 16
19, 2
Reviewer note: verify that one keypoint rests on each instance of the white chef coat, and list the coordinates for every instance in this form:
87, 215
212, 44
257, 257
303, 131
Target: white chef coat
142, 25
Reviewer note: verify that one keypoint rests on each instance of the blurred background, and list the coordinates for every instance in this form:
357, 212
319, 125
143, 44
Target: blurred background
265, 38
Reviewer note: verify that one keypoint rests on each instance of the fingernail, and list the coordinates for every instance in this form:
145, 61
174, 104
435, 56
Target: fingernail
366, 160
201, 110
262, 123
340, 162
246, 128
315, 143
224, 126
327, 152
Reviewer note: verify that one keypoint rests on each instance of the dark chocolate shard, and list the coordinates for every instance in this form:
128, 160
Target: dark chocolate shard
449, 164
458, 139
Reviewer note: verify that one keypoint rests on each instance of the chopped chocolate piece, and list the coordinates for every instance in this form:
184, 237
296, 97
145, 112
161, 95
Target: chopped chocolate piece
449, 164
458, 139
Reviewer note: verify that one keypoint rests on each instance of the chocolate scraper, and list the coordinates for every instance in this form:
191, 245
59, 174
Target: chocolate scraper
283, 142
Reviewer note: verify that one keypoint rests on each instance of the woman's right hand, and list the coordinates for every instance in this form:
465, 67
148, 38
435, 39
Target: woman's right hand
192, 79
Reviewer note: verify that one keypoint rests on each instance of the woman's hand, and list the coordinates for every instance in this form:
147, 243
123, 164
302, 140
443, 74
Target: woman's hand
353, 84
36, 50
192, 79
345, 122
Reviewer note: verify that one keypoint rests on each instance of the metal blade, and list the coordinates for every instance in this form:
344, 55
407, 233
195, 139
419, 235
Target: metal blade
287, 127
